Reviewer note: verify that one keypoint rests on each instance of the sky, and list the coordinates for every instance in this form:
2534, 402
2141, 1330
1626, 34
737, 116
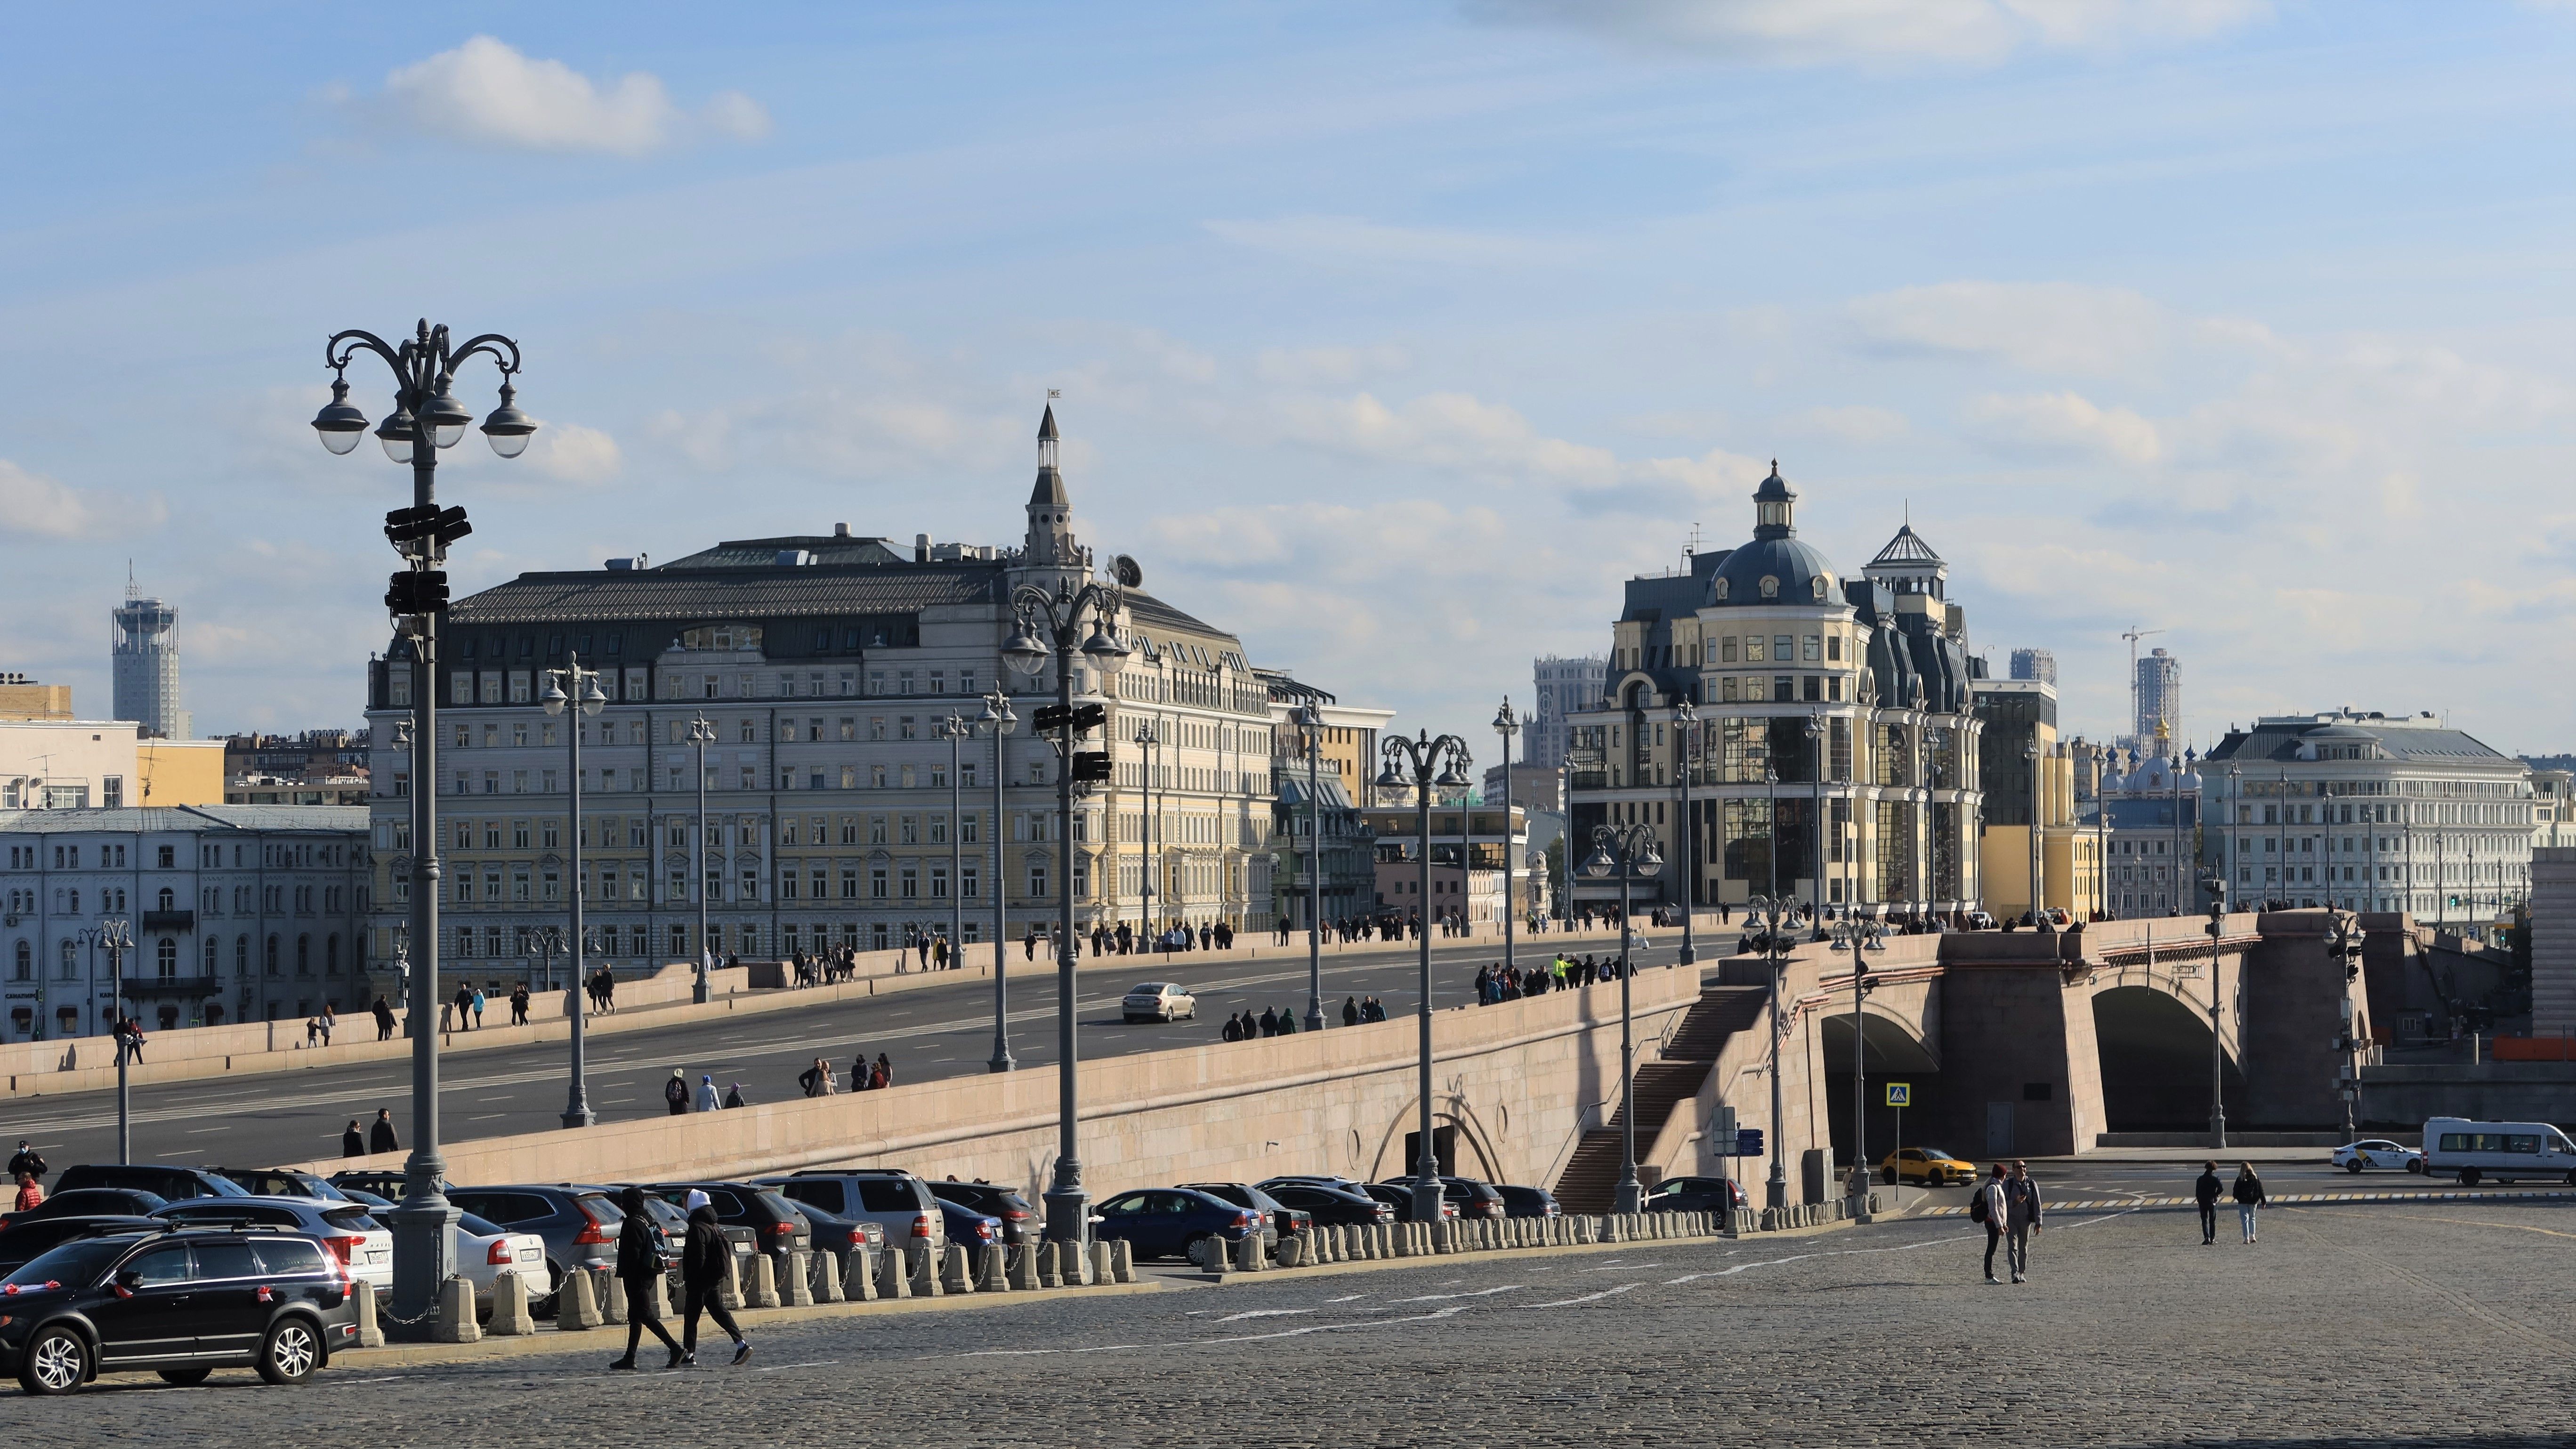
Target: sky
1392, 336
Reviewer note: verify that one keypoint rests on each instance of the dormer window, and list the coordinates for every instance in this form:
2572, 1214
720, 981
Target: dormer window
1721, 589
1770, 586
1819, 582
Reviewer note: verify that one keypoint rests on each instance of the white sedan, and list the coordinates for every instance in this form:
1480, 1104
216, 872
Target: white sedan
1159, 1001
486, 1251
2378, 1152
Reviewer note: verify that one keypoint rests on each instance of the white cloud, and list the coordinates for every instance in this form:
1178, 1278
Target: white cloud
1850, 423
571, 453
1329, 366
2039, 326
1356, 239
486, 93
31, 503
1813, 32
2065, 424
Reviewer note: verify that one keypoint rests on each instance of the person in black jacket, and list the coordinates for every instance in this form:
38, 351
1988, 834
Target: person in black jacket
2205, 1192
2249, 1197
639, 1264
380, 1137
29, 1161
703, 1260
352, 1144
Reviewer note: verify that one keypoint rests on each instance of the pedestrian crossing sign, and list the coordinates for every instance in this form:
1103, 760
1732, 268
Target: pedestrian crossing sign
1900, 1094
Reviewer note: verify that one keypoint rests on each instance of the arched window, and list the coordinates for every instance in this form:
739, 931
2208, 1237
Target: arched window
304, 955
165, 957
241, 956
71, 961
331, 954
169, 900
272, 955
214, 956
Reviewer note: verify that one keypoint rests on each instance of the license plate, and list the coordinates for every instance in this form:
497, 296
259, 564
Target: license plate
529, 1255
379, 1255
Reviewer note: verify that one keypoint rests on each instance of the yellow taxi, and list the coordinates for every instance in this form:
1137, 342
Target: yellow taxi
1929, 1166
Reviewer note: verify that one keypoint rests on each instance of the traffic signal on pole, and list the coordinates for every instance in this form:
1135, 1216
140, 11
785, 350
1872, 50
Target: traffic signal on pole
407, 527
1748, 1142
1084, 718
1091, 766
417, 591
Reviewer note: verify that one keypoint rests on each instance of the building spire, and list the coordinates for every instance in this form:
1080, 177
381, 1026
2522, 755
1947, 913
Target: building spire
1050, 536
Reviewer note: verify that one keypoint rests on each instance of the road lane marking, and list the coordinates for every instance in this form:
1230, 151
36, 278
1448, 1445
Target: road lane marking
1586, 1298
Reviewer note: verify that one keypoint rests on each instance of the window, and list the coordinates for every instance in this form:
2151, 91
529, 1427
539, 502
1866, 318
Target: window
1038, 881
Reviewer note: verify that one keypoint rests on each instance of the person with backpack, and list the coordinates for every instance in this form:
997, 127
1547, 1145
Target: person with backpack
2249, 1197
676, 1092
2021, 1220
1989, 1208
704, 1257
2205, 1191
639, 1271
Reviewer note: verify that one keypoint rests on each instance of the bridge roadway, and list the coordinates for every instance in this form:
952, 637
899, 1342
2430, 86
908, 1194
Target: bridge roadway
927, 1033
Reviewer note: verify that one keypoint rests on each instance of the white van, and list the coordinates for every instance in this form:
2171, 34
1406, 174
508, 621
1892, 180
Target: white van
2505, 1151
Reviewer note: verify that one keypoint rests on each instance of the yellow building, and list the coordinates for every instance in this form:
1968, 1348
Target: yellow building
2068, 857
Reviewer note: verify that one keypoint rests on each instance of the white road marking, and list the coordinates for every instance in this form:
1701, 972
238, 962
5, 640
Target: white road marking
1586, 1298
1479, 1293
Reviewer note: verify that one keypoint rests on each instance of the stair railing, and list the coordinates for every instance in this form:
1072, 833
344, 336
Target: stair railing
1586, 1118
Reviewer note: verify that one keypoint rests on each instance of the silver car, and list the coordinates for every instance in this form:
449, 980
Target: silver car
1159, 1001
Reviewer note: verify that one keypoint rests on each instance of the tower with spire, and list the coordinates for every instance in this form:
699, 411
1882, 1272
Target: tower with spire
1050, 537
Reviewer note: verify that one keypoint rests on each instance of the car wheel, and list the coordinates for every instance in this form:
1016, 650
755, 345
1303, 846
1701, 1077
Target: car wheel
2353, 1167
2469, 1176
1935, 1178
56, 1362
2416, 1165
291, 1354
186, 1378
1190, 1247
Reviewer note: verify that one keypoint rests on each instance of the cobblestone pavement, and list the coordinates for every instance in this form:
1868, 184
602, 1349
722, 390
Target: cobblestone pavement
2441, 1324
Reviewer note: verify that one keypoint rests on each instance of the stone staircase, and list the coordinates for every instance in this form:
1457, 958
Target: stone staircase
1590, 1181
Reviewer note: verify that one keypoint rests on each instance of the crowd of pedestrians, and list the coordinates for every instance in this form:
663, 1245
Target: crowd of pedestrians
1499, 983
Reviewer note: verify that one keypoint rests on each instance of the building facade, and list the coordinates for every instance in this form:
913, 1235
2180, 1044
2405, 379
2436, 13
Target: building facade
143, 657
23, 698
1344, 783
2148, 821
2159, 692
2369, 812
1834, 753
236, 913
2037, 664
73, 764
1562, 686
835, 814
1468, 850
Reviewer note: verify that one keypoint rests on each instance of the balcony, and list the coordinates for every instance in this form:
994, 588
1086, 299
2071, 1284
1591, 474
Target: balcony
169, 920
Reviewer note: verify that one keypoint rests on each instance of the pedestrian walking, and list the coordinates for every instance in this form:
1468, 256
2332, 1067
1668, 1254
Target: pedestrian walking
329, 1020
1288, 1023
312, 1032
2206, 1192
380, 1137
1350, 1011
707, 1100
2249, 1197
27, 1160
31, 1194
704, 1256
1988, 1207
733, 1095
883, 1076
518, 1009
384, 1012
1232, 1030
639, 1267
676, 1092
478, 1008
463, 1004
1029, 945
2021, 1220
353, 1143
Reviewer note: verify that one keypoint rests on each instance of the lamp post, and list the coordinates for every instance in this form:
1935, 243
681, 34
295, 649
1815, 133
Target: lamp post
998, 717
2217, 1044
702, 733
1146, 737
1061, 614
1860, 940
1685, 736
1815, 732
115, 935
1631, 855
1310, 733
1935, 739
2343, 943
576, 690
956, 729
1430, 762
2102, 844
426, 412
1507, 724
2030, 761
1775, 919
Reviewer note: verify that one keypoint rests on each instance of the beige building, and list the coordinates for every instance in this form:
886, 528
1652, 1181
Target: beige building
21, 699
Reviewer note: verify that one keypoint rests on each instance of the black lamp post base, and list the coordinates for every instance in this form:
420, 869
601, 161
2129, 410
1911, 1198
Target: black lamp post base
1068, 1214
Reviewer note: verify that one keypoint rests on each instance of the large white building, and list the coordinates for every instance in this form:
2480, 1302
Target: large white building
836, 814
2370, 813
237, 913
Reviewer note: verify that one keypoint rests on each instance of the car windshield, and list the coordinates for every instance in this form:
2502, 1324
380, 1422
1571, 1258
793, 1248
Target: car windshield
1941, 1153
1150, 988
353, 1220
76, 1263
477, 1226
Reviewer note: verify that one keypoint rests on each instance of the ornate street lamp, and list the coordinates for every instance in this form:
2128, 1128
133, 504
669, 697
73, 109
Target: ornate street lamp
2343, 943
1310, 733
1685, 738
1430, 763
426, 419
576, 689
702, 733
1629, 854
999, 719
1775, 926
2217, 1044
1860, 939
1147, 738
956, 729
1053, 624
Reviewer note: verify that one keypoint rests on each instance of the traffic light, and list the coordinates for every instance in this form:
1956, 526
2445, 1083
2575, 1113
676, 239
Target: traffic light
407, 527
1084, 718
1748, 1142
1091, 766
417, 591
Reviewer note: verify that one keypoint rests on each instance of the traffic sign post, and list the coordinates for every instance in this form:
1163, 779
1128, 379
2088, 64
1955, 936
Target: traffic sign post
1721, 1134
1900, 1095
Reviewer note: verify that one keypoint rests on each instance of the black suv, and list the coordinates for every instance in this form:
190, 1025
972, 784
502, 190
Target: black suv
1020, 1224
178, 1184
181, 1303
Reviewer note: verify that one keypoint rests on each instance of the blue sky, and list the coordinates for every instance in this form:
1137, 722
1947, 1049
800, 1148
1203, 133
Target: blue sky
1391, 335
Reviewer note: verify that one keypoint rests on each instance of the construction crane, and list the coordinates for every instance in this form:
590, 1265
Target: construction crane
2133, 636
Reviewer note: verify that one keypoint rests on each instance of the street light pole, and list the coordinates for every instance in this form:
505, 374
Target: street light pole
1061, 614
2343, 943
1816, 807
1507, 724
1685, 735
957, 730
1777, 915
2217, 1043
1146, 738
997, 715
426, 418
1631, 854
114, 935
1310, 730
1422, 756
576, 691
702, 733
1859, 940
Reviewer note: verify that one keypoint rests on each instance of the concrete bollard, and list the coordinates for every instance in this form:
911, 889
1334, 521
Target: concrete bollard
1122, 1261
1292, 1252
826, 1285
510, 1315
1073, 1265
800, 1281
893, 1278
1210, 1254
764, 1282
859, 1275
611, 1297
1049, 1266
990, 1276
1100, 1261
371, 1334
729, 1292
662, 1296
456, 1312
1023, 1268
956, 1275
924, 1270
1249, 1254
576, 1303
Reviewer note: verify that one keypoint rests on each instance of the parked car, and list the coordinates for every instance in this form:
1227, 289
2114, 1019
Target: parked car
90, 1202
1162, 1222
671, 1230
2377, 1152
280, 1182
1695, 1195
966, 1226
833, 1233
178, 1304
1930, 1166
893, 1199
1528, 1202
1334, 1207
21, 1242
177, 1184
775, 1224
344, 1227
1399, 1196
1282, 1222
577, 1223
383, 1182
1020, 1222
1159, 1001
1473, 1199
486, 1253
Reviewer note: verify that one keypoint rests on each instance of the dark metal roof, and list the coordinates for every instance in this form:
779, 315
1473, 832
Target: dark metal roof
159, 819
762, 553
675, 593
1144, 611
2279, 741
1289, 690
